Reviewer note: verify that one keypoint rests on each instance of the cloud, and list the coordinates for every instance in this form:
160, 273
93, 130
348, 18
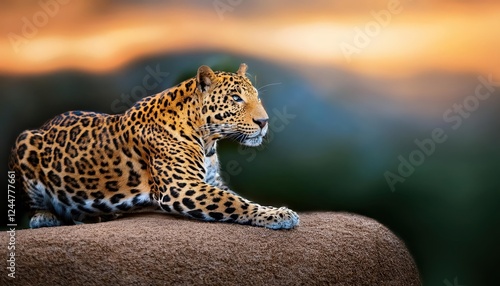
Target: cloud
96, 36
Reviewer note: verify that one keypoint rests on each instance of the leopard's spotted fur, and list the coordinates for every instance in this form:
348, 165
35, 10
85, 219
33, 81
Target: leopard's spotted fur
159, 155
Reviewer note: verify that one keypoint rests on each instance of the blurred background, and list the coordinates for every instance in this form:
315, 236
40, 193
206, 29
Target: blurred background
350, 88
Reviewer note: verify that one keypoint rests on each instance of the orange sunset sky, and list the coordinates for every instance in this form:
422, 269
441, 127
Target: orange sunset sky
460, 36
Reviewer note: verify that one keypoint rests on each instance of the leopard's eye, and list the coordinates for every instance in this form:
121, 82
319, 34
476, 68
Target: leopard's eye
237, 98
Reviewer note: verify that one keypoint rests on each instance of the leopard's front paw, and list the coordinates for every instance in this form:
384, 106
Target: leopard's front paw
277, 218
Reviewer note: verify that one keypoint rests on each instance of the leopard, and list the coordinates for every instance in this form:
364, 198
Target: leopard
160, 155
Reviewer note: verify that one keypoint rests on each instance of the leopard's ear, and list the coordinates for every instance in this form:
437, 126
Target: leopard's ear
205, 78
242, 70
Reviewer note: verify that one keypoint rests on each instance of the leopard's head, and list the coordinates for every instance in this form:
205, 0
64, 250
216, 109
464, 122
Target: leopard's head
231, 106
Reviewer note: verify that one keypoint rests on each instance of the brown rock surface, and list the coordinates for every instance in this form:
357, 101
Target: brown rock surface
154, 249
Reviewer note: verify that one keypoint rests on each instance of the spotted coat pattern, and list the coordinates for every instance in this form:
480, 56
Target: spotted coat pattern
160, 155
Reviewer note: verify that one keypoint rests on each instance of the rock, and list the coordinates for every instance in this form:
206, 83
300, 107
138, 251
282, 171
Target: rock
150, 249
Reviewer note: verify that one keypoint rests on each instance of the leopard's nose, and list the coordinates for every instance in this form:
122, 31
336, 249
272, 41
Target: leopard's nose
261, 122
